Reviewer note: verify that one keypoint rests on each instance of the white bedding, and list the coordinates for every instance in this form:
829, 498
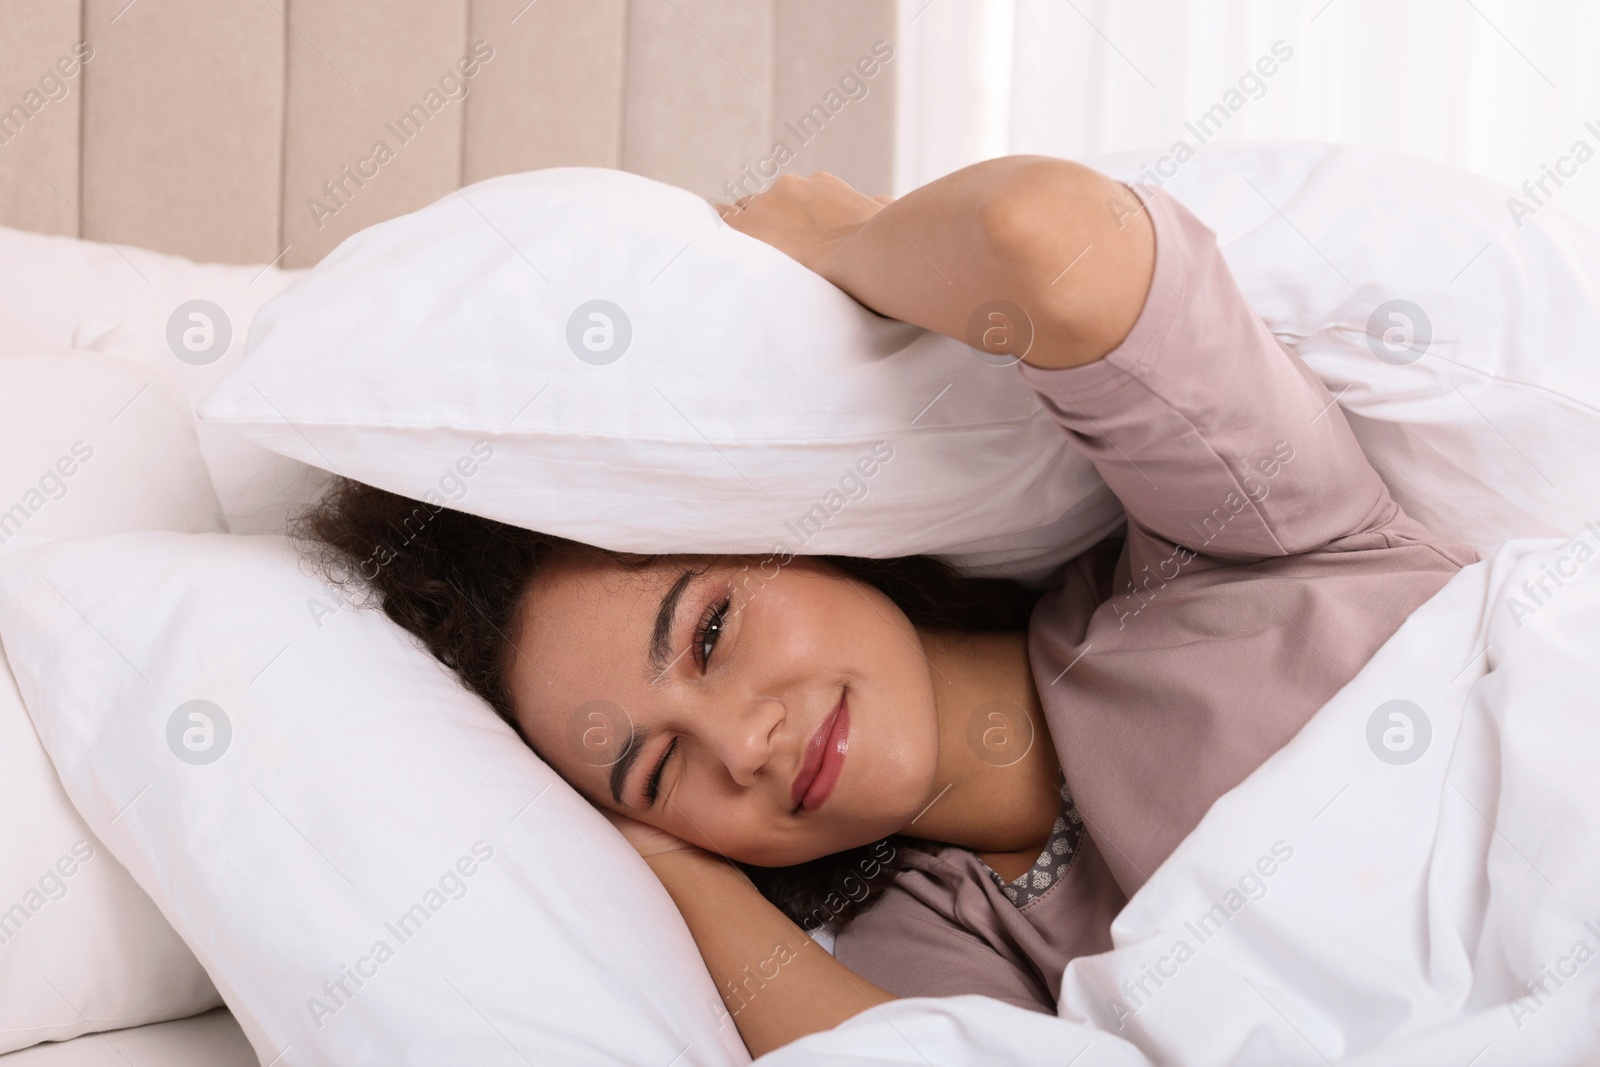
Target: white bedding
209, 1040
1408, 903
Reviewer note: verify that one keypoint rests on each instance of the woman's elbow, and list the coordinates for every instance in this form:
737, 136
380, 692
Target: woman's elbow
1038, 202
1076, 251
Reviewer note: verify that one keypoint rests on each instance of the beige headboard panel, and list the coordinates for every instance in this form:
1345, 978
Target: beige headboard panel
248, 131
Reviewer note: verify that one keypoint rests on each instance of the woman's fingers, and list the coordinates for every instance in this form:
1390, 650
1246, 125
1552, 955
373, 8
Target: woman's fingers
726, 210
804, 218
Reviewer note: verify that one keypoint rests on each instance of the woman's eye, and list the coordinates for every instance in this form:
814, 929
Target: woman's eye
709, 630
652, 785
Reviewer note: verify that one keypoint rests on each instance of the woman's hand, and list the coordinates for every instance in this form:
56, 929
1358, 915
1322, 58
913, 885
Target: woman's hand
805, 218
647, 840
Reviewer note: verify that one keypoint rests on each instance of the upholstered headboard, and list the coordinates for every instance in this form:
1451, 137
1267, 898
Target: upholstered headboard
269, 130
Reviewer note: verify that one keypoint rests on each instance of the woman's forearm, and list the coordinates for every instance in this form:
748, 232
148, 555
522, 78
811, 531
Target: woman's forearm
1072, 248
776, 982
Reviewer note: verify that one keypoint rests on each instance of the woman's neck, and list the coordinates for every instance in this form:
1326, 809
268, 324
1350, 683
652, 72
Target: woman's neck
995, 786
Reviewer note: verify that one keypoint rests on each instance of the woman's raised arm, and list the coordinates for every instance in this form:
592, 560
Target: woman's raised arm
1071, 248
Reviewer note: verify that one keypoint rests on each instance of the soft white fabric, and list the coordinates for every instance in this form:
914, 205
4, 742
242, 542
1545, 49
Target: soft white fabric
62, 292
209, 1040
733, 401
93, 444
338, 779
82, 947
1433, 895
89, 444
1487, 431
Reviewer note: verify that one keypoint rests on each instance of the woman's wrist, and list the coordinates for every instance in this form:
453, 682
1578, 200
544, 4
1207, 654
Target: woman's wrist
831, 257
688, 858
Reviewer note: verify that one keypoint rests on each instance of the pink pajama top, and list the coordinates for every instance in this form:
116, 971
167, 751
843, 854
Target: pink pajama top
1265, 563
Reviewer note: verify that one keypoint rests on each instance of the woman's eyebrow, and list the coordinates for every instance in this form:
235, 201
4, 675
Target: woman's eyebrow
661, 635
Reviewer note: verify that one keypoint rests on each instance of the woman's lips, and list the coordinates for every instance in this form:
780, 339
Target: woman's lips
824, 759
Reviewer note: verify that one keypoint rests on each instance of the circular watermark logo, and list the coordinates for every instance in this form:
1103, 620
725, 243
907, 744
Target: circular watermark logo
198, 332
598, 732
1000, 332
1000, 732
1399, 732
599, 332
198, 732
1399, 332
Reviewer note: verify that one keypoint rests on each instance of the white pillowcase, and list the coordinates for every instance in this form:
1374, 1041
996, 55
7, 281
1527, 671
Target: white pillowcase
370, 864
89, 444
653, 380
62, 292
82, 947
93, 444
1482, 410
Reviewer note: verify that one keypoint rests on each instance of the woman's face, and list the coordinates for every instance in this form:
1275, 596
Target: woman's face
727, 667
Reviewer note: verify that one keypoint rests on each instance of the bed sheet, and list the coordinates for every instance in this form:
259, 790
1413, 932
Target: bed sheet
1411, 881
209, 1040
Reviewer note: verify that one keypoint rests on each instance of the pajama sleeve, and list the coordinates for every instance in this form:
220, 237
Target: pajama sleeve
1266, 561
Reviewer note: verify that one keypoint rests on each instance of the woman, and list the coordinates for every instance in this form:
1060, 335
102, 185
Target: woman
834, 724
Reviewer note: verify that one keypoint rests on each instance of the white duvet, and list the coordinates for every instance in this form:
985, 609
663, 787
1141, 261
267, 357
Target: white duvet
1413, 880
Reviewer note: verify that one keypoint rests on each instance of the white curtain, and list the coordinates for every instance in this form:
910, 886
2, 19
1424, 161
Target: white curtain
1508, 89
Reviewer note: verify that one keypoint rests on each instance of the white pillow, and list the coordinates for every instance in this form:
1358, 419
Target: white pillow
93, 444
293, 777
1459, 343
82, 947
89, 444
732, 400
62, 292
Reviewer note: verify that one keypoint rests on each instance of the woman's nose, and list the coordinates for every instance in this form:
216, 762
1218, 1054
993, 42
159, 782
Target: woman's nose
742, 736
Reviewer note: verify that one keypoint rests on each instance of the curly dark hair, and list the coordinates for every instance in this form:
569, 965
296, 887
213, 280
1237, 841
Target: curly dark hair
456, 582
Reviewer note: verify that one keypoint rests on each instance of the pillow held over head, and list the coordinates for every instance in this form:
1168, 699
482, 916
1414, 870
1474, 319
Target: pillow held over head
652, 380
